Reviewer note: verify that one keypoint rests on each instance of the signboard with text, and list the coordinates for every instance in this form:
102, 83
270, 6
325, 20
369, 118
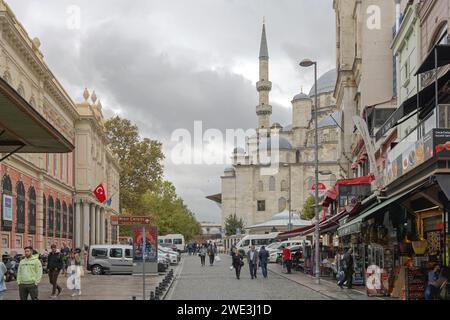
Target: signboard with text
129, 221
7, 208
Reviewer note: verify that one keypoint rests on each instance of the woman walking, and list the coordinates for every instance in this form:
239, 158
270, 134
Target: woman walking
75, 270
238, 262
202, 254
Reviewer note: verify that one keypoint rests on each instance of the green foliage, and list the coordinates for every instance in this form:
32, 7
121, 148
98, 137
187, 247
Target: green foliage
143, 192
232, 223
308, 209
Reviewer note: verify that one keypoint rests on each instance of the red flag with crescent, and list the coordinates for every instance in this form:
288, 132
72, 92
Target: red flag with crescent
100, 193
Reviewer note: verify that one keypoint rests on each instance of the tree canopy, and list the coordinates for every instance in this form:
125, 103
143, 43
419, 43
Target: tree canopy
308, 209
232, 223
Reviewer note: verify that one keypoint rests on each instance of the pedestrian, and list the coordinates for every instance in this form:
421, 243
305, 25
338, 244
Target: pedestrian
287, 259
347, 267
211, 254
238, 262
202, 253
75, 269
54, 266
29, 275
252, 259
263, 260
65, 251
3, 270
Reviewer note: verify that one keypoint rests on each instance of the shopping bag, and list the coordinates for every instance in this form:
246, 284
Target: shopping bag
231, 267
217, 258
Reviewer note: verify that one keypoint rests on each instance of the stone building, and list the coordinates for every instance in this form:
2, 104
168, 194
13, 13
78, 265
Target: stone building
47, 189
256, 192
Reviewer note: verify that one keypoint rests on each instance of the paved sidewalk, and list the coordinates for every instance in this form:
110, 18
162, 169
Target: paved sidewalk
327, 287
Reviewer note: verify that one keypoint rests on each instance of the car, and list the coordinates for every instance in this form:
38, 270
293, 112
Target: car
171, 257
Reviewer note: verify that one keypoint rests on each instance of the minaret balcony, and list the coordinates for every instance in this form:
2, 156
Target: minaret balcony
263, 109
264, 85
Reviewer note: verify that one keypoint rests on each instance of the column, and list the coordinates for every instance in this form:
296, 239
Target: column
97, 225
77, 225
92, 224
85, 215
102, 226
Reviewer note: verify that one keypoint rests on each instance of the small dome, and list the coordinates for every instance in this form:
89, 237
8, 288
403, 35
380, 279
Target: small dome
229, 169
276, 125
301, 96
287, 128
284, 215
328, 121
325, 83
283, 144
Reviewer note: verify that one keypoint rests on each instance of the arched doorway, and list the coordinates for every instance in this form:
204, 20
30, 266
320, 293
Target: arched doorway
6, 215
20, 207
31, 211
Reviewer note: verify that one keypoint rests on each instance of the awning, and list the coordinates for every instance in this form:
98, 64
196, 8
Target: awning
23, 129
444, 182
443, 55
215, 197
354, 226
360, 180
294, 233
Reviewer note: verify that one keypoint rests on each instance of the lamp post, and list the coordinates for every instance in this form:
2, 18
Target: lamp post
289, 201
306, 64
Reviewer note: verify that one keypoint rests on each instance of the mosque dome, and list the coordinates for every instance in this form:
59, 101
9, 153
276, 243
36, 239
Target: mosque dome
283, 144
326, 83
284, 215
301, 96
276, 125
328, 121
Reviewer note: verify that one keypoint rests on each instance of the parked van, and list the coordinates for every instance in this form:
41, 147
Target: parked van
177, 240
257, 240
114, 258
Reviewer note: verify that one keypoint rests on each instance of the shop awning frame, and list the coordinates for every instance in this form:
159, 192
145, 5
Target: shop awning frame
443, 58
25, 130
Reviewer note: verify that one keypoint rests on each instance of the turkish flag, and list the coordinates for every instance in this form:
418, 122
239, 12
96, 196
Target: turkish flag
100, 193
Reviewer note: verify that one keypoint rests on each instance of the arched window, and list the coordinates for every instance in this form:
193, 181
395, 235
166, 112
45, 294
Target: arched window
281, 204
58, 219
20, 207
70, 222
65, 219
51, 216
260, 186
44, 215
284, 185
272, 184
297, 156
6, 203
31, 211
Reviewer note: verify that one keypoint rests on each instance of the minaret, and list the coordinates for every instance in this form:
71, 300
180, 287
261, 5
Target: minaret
263, 86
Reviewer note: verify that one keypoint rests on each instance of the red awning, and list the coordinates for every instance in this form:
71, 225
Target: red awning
295, 232
330, 197
360, 180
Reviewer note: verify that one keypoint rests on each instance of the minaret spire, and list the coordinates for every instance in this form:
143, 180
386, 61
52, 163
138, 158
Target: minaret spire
263, 110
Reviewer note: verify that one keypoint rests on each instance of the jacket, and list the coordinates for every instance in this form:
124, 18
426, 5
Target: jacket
55, 261
30, 270
237, 260
286, 254
348, 262
255, 257
263, 256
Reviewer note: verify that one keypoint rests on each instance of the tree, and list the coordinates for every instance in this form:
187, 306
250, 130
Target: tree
140, 161
308, 209
232, 223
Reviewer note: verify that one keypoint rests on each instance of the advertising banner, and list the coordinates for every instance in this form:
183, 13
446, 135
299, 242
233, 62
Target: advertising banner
377, 281
442, 143
145, 240
7, 208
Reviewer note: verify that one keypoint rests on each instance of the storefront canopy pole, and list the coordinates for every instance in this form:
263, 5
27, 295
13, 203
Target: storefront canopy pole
11, 153
436, 85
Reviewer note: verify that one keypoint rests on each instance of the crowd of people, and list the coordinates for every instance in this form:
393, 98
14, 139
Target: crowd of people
255, 259
65, 261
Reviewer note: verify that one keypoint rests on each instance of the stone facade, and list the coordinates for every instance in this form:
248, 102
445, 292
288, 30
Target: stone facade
248, 188
47, 189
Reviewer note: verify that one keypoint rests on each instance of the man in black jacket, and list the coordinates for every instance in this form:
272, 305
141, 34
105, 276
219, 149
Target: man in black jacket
347, 266
54, 266
263, 259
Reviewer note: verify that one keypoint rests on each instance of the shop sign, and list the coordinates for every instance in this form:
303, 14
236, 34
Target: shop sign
7, 208
129, 221
145, 241
442, 143
377, 281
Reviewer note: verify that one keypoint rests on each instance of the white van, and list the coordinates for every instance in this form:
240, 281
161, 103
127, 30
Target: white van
177, 240
257, 240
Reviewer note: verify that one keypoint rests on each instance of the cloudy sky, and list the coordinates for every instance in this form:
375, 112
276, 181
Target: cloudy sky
167, 63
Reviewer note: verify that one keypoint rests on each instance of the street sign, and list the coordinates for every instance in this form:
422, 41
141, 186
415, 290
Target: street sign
129, 221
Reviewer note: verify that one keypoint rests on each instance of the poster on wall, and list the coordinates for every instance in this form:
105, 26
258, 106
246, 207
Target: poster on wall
442, 143
150, 244
377, 281
7, 208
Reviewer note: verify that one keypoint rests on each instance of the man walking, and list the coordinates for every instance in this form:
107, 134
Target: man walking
287, 259
252, 258
263, 259
29, 275
347, 266
54, 266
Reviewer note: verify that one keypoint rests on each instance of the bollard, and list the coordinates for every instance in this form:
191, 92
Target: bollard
152, 295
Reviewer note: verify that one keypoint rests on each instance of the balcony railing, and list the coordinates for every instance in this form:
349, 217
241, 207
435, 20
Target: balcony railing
418, 146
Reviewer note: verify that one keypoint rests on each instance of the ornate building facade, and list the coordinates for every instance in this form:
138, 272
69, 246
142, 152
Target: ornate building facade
255, 194
43, 194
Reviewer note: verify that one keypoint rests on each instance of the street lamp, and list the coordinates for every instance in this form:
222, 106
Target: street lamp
289, 201
306, 63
